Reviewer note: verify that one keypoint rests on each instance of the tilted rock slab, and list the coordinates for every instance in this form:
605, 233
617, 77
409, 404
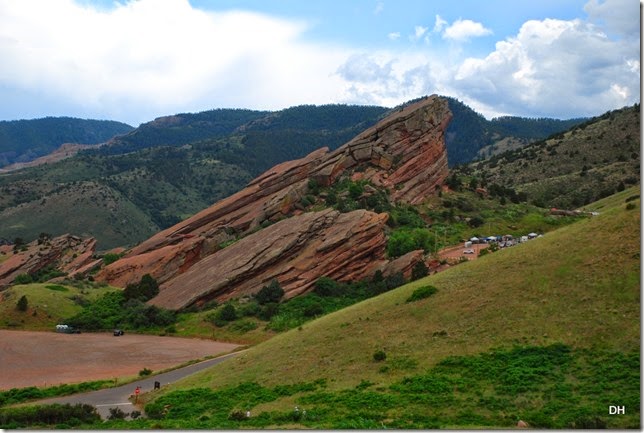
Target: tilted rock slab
405, 153
67, 253
296, 252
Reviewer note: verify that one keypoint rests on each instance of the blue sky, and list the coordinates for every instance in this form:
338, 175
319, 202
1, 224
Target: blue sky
134, 60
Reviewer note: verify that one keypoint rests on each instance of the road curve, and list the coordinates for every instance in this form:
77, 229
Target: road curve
108, 398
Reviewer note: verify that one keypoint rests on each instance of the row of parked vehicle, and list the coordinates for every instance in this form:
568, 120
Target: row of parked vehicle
66, 329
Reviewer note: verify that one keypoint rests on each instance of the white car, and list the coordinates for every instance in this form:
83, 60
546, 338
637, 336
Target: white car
470, 251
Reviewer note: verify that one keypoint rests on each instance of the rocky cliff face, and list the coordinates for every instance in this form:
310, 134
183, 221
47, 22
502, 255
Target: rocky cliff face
67, 253
404, 153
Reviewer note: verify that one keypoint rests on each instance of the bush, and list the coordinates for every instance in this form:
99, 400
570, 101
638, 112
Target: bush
51, 415
403, 241
145, 372
422, 293
243, 326
110, 258
269, 310
145, 290
22, 303
271, 293
249, 310
116, 413
314, 309
419, 271
379, 355
228, 313
326, 286
23, 279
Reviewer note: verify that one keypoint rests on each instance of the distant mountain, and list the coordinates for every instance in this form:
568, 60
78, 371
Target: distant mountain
471, 136
573, 168
155, 176
26, 140
179, 129
167, 170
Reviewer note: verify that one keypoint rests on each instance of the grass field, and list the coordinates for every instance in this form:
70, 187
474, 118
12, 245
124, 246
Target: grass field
48, 304
576, 290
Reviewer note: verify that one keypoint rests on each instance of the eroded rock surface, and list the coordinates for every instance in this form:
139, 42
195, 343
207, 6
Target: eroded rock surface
67, 253
404, 153
296, 252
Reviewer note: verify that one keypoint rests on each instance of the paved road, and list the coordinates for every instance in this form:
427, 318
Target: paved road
105, 399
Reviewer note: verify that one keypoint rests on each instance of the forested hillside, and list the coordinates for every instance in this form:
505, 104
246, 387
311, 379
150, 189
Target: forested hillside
167, 179
568, 170
470, 132
25, 140
170, 168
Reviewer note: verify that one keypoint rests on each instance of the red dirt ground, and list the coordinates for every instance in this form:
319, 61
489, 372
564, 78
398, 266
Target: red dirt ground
457, 252
47, 358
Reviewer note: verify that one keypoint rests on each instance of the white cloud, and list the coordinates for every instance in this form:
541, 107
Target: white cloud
380, 6
439, 24
141, 59
553, 67
419, 31
615, 15
148, 58
463, 30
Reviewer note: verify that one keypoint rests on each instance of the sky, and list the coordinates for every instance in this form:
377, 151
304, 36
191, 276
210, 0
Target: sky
135, 60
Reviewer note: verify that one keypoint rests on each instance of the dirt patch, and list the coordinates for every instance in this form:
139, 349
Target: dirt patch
47, 358
455, 253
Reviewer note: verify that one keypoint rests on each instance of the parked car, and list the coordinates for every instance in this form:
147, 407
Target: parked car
66, 329
118, 332
470, 251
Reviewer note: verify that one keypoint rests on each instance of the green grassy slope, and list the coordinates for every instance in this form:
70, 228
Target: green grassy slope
48, 304
82, 208
578, 287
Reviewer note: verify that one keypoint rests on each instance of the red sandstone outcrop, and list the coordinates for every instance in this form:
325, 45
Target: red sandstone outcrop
67, 253
404, 153
296, 252
403, 264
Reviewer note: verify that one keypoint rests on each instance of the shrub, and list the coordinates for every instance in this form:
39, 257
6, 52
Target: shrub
476, 221
313, 310
422, 293
379, 355
145, 290
116, 413
22, 303
228, 313
243, 326
273, 292
419, 270
145, 372
269, 310
110, 258
326, 286
237, 415
57, 288
402, 241
23, 279
250, 309
51, 415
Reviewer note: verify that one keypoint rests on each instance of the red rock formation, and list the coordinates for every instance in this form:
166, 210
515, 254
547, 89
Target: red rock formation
67, 253
403, 264
296, 252
404, 153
